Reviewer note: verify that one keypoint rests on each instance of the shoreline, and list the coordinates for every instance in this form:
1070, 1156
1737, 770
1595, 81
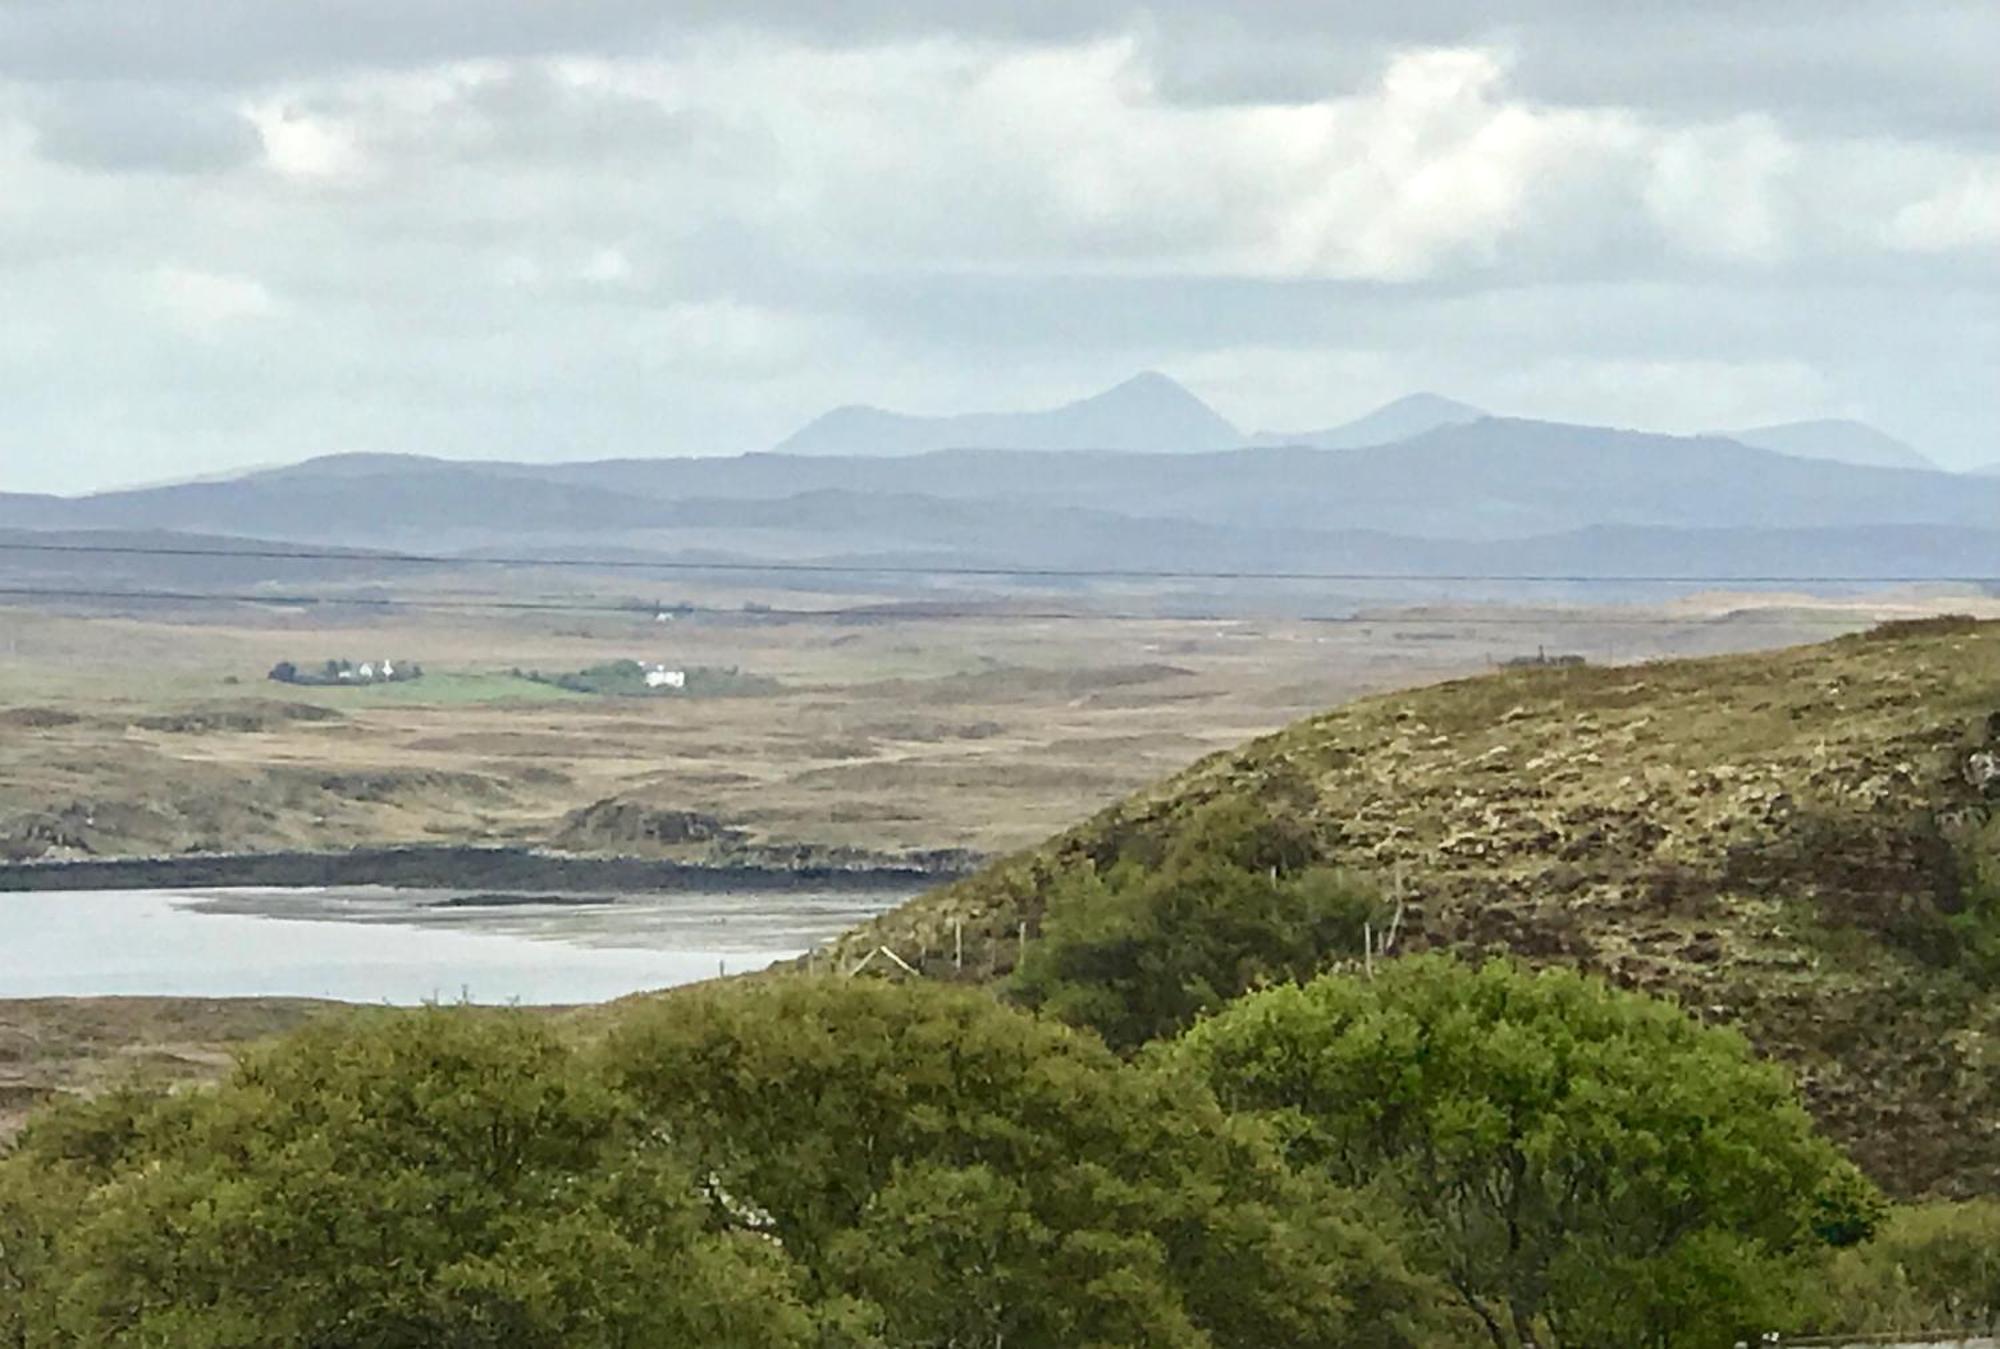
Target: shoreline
463, 867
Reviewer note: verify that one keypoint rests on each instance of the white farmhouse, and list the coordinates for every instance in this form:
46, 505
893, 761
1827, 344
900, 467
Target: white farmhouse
660, 677
367, 670
388, 670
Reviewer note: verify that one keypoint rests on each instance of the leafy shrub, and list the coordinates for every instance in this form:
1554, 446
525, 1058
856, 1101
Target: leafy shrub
1138, 951
809, 1162
440, 1178
1583, 1166
974, 1176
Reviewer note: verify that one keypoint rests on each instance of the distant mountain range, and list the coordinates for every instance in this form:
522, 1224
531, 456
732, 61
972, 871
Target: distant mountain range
1152, 414
1147, 413
1479, 497
1142, 477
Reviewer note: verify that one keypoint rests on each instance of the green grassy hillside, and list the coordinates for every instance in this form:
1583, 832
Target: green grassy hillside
1802, 843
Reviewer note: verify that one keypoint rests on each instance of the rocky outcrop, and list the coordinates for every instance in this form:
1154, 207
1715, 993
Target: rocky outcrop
620, 825
1982, 766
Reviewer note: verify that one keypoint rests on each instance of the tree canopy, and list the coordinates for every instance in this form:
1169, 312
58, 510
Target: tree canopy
980, 1177
809, 1162
1424, 1158
1583, 1166
1137, 949
434, 1178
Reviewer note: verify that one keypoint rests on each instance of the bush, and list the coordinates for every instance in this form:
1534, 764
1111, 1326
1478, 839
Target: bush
445, 1178
806, 1162
1583, 1166
973, 1176
1138, 951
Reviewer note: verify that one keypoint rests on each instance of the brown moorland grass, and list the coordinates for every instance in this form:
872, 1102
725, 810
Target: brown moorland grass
1787, 841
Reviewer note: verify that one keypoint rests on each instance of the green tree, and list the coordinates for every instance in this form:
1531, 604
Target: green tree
1138, 950
439, 1178
976, 1177
1582, 1166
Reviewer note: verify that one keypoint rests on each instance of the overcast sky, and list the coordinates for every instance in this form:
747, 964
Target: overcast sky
240, 232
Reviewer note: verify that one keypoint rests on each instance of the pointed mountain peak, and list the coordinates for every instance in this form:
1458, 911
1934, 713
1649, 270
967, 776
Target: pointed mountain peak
1147, 384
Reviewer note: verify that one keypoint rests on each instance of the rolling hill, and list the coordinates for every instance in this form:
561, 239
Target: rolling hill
157, 559
408, 502
1840, 442
1805, 844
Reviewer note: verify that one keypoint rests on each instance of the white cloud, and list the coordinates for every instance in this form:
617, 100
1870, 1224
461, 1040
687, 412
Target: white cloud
943, 155
299, 144
205, 302
1719, 191
602, 268
1436, 167
724, 339
606, 267
1964, 214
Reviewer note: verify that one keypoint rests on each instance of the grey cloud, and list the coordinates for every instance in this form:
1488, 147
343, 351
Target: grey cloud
1856, 65
526, 114
135, 128
248, 41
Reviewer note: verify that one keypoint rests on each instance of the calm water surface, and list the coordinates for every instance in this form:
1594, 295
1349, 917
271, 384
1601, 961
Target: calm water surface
404, 946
